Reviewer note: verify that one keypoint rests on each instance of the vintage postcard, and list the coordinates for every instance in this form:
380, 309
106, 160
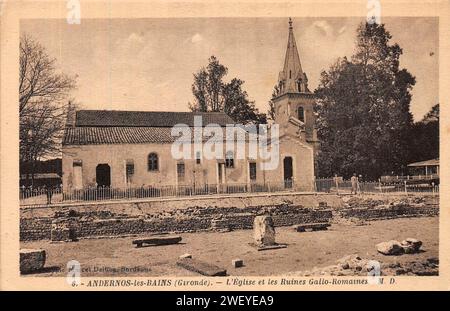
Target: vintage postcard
224, 145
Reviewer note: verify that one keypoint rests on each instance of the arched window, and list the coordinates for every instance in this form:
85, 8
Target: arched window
229, 159
299, 86
153, 162
301, 114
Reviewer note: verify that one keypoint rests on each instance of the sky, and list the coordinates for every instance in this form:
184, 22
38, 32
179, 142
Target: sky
148, 64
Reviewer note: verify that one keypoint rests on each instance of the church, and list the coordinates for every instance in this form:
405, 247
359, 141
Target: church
133, 149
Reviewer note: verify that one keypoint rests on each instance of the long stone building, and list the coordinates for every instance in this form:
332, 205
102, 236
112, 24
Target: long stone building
121, 149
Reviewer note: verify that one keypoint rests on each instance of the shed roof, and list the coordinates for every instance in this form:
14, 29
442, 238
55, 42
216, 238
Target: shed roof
425, 163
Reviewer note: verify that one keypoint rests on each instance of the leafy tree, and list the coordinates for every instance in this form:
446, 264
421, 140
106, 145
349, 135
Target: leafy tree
363, 109
211, 93
432, 115
424, 138
271, 111
43, 104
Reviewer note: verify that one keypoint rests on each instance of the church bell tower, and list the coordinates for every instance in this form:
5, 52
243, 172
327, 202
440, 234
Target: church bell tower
294, 102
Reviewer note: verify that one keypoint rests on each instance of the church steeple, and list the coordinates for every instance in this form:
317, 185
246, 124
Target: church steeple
292, 79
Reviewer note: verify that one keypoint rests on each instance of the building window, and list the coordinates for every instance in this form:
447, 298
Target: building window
198, 157
153, 162
180, 171
229, 159
129, 171
252, 168
301, 114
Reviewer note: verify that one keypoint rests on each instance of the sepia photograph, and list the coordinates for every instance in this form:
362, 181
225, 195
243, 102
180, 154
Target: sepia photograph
355, 174
232, 151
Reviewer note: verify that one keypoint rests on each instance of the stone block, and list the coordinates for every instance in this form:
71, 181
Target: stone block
411, 245
263, 231
32, 260
237, 263
158, 240
390, 248
201, 267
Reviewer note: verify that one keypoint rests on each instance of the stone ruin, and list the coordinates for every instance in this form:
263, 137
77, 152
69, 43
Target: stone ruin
264, 233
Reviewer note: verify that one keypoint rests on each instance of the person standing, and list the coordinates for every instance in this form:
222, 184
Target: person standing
49, 194
354, 181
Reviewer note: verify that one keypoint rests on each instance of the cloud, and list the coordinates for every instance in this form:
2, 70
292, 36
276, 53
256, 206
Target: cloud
196, 38
131, 43
135, 38
324, 27
342, 30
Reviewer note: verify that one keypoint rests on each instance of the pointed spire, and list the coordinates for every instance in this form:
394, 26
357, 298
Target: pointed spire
292, 79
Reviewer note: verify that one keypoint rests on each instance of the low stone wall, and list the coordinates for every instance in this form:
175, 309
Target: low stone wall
35, 229
389, 212
182, 215
377, 207
133, 218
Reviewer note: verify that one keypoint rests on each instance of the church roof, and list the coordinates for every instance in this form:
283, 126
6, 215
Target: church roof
116, 118
95, 127
96, 135
100, 135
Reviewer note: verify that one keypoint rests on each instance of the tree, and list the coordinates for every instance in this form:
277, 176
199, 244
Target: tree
363, 109
211, 93
238, 106
432, 115
43, 104
271, 111
208, 86
424, 138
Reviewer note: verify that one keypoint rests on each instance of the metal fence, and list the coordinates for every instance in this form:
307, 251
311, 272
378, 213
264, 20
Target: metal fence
408, 178
45, 196
330, 185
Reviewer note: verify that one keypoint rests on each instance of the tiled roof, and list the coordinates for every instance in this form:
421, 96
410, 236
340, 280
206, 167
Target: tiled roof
116, 135
94, 135
116, 118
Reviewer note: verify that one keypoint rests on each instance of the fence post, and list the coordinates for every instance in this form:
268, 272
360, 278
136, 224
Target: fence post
406, 189
379, 185
434, 192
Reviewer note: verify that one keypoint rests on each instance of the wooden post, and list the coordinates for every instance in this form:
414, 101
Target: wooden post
406, 189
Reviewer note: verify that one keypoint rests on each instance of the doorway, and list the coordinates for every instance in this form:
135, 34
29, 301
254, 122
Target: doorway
103, 175
288, 172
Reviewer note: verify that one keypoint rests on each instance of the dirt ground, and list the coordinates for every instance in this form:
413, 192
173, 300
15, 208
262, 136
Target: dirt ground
306, 250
